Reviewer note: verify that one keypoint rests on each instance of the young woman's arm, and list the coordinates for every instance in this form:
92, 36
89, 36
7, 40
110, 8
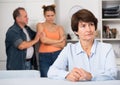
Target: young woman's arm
44, 39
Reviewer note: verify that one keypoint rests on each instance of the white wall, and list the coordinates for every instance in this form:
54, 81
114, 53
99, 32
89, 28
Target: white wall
35, 15
63, 7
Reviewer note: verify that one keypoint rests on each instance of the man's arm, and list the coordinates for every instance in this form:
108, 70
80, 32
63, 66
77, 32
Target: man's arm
27, 44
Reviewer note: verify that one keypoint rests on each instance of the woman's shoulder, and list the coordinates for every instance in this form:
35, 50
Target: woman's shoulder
59, 26
104, 48
39, 26
72, 45
39, 23
104, 45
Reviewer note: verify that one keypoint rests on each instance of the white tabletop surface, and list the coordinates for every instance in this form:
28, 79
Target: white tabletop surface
46, 81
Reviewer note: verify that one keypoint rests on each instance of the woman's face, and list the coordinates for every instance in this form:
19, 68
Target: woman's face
50, 16
86, 30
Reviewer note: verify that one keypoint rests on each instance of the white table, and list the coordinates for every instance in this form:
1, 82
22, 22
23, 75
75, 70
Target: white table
8, 74
46, 81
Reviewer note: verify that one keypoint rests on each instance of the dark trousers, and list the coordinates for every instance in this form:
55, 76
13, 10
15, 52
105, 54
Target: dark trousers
28, 65
46, 60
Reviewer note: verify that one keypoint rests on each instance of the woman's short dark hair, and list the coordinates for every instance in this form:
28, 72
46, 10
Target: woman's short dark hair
48, 8
82, 15
16, 12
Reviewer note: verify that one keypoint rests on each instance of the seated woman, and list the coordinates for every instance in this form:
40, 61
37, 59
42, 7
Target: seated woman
87, 59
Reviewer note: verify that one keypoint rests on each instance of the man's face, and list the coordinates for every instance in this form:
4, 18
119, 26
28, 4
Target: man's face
22, 19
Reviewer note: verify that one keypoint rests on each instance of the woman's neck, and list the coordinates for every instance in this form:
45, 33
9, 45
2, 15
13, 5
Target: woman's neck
87, 45
49, 23
50, 26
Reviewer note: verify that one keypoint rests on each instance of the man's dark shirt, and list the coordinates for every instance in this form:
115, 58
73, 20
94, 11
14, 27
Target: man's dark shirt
14, 37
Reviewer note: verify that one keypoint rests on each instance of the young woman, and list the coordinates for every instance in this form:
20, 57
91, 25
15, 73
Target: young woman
52, 40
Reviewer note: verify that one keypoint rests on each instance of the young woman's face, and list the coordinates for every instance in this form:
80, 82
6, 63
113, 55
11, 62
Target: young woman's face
50, 16
86, 30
